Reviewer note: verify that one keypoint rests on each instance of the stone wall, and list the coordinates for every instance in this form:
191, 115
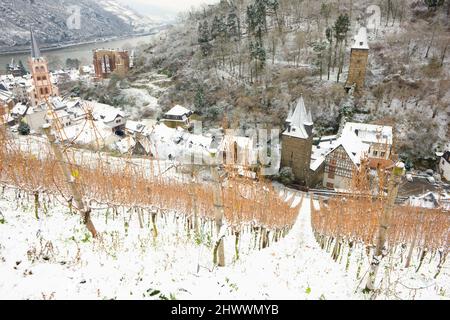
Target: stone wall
357, 69
296, 154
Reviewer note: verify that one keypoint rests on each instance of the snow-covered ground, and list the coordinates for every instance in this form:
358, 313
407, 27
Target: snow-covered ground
55, 258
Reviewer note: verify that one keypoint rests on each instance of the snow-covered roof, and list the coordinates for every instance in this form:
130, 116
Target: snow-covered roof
297, 120
35, 52
135, 126
353, 146
104, 112
5, 95
370, 133
125, 145
86, 133
19, 108
178, 111
315, 164
327, 144
165, 141
360, 40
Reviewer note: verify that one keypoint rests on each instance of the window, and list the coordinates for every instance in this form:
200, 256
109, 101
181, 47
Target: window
46, 90
44, 78
38, 78
331, 174
42, 91
383, 154
375, 153
330, 185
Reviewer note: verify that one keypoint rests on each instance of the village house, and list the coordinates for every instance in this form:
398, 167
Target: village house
379, 139
6, 99
178, 116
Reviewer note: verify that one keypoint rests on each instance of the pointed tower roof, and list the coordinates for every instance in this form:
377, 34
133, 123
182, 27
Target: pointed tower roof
360, 40
35, 52
298, 120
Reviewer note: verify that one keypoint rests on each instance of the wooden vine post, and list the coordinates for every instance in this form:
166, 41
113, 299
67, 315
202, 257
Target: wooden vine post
219, 248
394, 183
85, 210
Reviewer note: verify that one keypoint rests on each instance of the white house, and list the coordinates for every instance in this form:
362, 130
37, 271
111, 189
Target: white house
379, 138
342, 160
178, 116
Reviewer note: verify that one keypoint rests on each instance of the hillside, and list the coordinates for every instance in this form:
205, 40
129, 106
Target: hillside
48, 18
249, 59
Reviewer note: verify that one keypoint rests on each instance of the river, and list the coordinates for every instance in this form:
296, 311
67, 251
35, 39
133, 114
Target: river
57, 57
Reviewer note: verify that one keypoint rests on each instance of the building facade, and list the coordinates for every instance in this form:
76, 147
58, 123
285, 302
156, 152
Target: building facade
359, 58
297, 142
107, 62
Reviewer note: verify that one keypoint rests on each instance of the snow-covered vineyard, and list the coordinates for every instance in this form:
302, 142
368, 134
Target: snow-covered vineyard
56, 258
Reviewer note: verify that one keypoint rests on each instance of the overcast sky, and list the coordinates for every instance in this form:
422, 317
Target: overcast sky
164, 7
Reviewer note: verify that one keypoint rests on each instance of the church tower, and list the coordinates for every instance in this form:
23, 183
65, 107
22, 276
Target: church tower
297, 142
358, 60
43, 88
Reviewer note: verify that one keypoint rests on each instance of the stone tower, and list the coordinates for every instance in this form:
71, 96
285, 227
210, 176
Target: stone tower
43, 88
297, 143
358, 60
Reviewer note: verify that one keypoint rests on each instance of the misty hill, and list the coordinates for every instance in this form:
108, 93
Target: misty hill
48, 18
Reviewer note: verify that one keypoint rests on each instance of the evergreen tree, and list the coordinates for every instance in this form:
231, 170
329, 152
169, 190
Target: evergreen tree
261, 16
24, 128
199, 100
319, 48
203, 38
233, 26
433, 4
341, 27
